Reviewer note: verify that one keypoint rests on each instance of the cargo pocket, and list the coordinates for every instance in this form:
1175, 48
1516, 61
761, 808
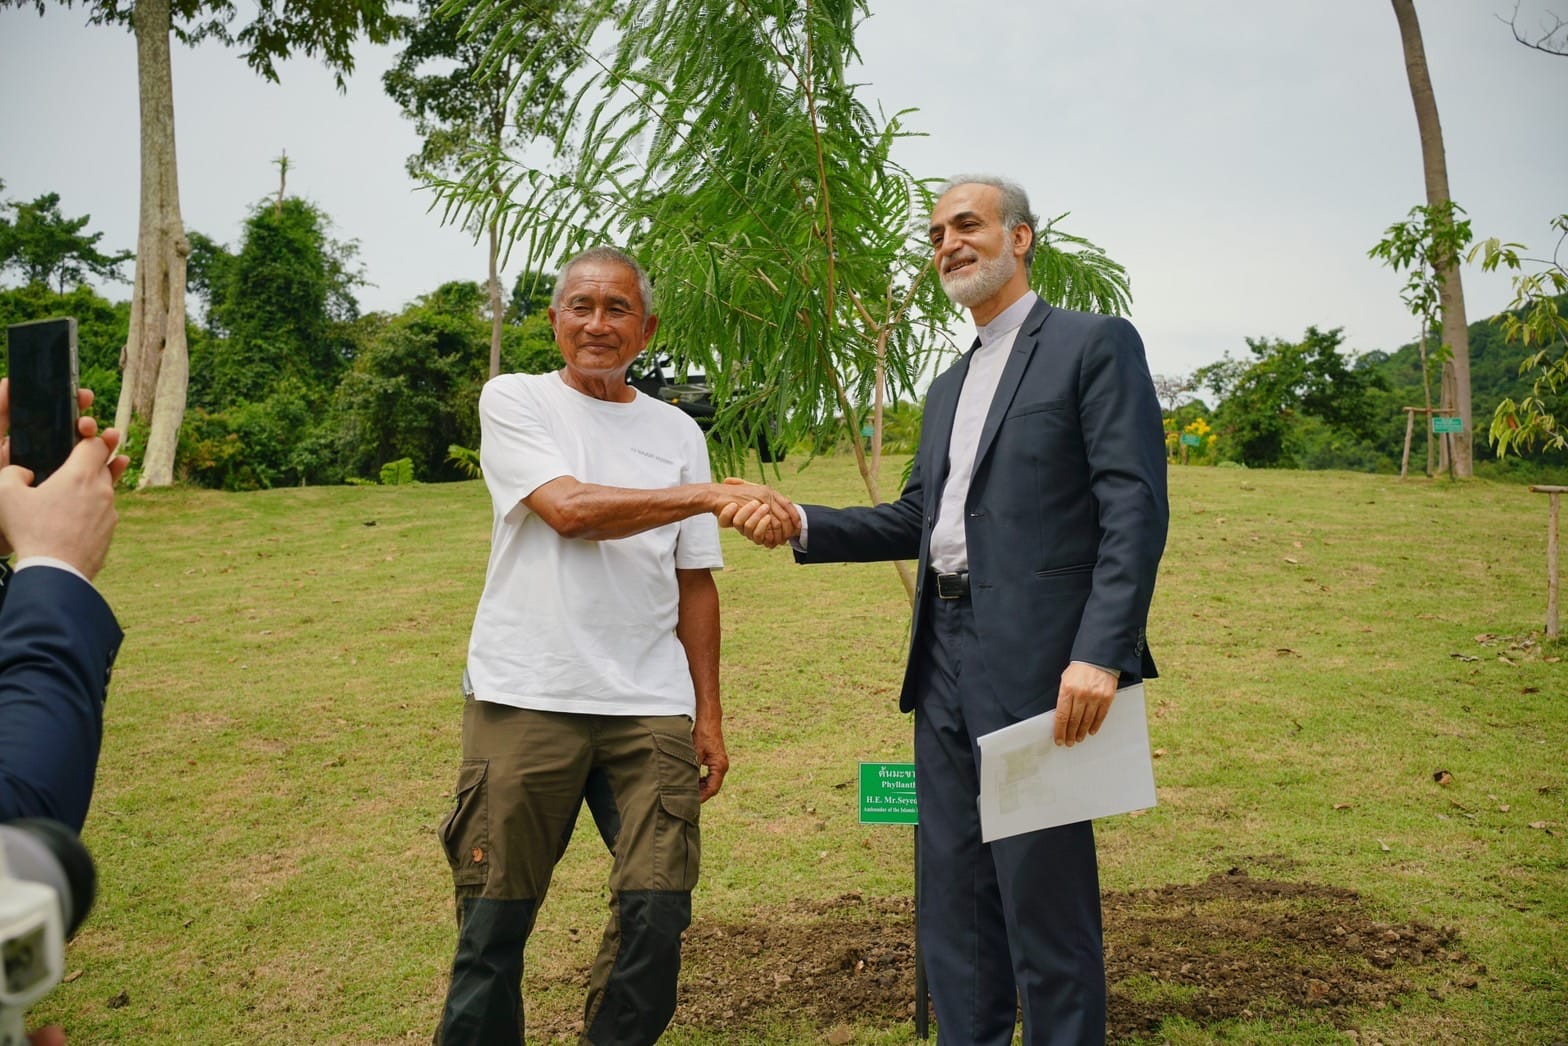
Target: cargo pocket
465, 833
678, 842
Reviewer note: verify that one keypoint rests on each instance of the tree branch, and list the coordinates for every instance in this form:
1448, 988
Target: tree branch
1546, 43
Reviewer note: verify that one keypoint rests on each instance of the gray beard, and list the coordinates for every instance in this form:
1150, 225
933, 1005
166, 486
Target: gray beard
981, 282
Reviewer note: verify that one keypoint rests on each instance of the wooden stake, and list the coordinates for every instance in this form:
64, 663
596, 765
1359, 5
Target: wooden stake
1554, 495
1410, 424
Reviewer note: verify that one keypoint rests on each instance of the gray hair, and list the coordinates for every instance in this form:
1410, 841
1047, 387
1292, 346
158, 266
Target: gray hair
609, 255
1015, 206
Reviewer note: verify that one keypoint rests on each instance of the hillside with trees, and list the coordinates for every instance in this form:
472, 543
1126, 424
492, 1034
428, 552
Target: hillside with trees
1306, 405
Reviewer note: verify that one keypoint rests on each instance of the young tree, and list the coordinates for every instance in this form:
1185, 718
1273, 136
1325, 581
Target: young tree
156, 366
728, 149
1420, 243
463, 89
413, 391
44, 246
1451, 294
1534, 319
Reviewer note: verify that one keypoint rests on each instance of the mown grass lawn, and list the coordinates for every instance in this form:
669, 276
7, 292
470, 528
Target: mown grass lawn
283, 735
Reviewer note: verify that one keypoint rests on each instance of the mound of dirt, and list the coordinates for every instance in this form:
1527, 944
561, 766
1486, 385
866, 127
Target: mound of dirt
1230, 947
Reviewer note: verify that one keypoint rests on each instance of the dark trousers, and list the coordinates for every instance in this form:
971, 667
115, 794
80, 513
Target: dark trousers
1011, 923
523, 779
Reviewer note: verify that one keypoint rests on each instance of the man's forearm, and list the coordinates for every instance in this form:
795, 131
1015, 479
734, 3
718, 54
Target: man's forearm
698, 631
597, 513
697, 628
593, 512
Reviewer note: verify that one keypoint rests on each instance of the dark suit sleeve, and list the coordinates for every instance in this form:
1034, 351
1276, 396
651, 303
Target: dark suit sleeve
866, 533
58, 640
1124, 444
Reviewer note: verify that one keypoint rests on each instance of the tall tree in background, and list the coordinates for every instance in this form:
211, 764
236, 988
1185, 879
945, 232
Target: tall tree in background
467, 93
1451, 294
156, 366
46, 247
726, 147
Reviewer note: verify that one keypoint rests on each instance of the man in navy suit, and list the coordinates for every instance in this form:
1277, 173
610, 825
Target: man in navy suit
1037, 511
58, 638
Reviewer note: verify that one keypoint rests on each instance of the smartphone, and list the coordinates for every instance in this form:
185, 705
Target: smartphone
41, 363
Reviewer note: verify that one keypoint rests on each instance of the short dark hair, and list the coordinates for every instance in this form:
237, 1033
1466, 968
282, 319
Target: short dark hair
1015, 206
606, 254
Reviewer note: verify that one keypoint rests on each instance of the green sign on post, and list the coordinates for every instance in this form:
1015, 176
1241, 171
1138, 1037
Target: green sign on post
1442, 425
1191, 439
887, 793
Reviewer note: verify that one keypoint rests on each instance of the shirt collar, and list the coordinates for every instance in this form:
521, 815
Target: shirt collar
1008, 320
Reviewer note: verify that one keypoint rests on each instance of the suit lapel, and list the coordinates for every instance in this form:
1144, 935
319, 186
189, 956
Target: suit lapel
1024, 345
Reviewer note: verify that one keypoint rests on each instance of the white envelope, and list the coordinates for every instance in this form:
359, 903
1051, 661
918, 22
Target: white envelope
1027, 782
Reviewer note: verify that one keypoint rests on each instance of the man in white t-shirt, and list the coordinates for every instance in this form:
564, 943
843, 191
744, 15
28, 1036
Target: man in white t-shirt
594, 656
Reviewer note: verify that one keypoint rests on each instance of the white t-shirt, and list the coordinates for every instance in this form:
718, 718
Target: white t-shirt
571, 625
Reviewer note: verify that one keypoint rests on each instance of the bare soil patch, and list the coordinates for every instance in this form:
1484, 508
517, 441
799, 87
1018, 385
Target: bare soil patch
1230, 947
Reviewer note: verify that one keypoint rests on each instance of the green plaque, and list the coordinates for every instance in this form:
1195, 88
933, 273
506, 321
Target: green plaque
1191, 439
1442, 425
887, 793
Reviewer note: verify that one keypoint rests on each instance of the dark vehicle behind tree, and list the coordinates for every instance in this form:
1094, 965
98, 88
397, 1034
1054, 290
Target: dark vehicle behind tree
651, 374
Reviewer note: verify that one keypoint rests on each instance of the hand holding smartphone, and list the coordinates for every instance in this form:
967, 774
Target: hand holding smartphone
41, 363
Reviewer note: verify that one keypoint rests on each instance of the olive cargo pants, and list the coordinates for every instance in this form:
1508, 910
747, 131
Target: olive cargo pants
520, 786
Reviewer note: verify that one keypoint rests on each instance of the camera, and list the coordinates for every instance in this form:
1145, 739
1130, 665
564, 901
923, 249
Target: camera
47, 884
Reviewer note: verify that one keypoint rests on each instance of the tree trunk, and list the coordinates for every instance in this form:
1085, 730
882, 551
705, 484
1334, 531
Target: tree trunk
156, 366
1451, 294
495, 299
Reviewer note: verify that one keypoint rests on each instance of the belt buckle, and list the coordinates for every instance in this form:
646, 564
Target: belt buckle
952, 586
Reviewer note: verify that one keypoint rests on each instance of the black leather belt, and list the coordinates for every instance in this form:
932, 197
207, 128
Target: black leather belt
952, 586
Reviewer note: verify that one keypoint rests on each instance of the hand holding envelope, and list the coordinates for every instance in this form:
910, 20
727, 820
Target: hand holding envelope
1027, 782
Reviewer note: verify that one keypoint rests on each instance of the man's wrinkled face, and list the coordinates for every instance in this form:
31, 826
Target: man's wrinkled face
601, 324
974, 253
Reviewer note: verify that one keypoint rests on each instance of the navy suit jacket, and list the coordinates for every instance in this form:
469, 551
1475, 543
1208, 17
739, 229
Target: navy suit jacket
58, 640
1066, 516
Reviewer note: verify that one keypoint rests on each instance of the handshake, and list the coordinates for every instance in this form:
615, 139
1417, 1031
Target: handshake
761, 514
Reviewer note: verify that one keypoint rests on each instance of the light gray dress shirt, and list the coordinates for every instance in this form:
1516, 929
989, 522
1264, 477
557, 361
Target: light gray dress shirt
949, 547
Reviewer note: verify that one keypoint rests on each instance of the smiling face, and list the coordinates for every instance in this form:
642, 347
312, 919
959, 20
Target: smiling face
600, 326
978, 259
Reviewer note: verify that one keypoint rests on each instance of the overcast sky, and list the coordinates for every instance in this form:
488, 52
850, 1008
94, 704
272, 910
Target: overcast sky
1239, 158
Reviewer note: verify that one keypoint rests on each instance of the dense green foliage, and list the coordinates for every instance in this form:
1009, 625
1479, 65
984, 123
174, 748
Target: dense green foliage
409, 392
43, 246
414, 390
100, 332
280, 331
1306, 406
283, 306
1262, 402
1538, 325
